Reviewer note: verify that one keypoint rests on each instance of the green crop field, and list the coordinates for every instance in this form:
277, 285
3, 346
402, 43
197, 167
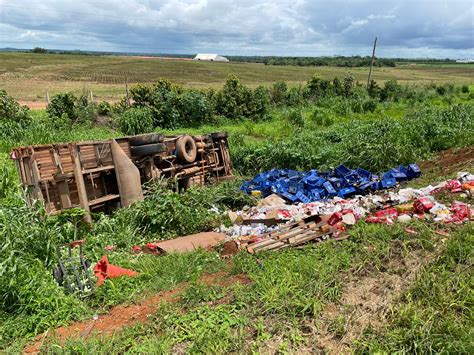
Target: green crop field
27, 76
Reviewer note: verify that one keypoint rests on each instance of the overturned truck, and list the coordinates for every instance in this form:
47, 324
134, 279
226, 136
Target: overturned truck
104, 175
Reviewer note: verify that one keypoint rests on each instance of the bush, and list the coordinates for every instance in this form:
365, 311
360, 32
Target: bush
237, 101
62, 104
441, 90
136, 120
104, 108
278, 93
296, 118
194, 108
465, 89
10, 110
317, 87
14, 119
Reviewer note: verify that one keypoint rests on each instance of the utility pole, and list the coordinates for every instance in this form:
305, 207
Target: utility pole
127, 98
372, 63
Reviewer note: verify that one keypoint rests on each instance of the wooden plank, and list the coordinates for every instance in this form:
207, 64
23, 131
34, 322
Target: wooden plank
100, 168
103, 199
79, 178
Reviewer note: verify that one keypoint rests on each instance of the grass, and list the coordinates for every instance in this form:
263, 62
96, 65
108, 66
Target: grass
292, 287
27, 76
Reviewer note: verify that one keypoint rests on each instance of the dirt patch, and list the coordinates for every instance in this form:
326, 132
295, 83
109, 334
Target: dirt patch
122, 316
450, 161
34, 105
366, 302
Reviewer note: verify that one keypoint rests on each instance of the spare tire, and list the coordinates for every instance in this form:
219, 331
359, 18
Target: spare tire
186, 150
148, 149
219, 135
144, 139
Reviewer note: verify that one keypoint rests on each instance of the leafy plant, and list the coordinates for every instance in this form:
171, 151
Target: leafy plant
136, 120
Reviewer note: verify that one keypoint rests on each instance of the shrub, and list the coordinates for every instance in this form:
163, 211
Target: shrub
278, 93
465, 89
260, 103
10, 110
236, 100
296, 117
14, 119
62, 104
374, 89
369, 105
136, 120
391, 91
348, 85
295, 96
194, 108
317, 87
441, 90
104, 108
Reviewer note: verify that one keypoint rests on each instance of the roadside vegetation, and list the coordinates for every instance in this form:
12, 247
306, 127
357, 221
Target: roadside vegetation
285, 305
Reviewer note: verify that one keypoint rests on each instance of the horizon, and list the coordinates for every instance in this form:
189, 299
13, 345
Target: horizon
157, 54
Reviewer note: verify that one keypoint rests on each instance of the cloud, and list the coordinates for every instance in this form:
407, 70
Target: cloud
437, 28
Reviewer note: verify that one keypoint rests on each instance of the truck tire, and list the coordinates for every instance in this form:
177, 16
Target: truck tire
145, 139
148, 149
186, 150
219, 135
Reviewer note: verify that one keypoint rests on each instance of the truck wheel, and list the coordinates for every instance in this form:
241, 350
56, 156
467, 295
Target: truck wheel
186, 149
148, 149
219, 135
144, 139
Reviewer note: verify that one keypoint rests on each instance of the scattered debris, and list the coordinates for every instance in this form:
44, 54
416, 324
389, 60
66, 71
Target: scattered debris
275, 223
295, 186
72, 271
103, 270
205, 240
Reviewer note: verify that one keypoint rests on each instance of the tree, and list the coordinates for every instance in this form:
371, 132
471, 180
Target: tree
39, 50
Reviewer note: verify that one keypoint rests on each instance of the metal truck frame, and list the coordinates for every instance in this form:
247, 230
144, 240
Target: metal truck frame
104, 175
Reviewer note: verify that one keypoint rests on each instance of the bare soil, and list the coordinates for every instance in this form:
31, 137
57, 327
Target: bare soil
450, 161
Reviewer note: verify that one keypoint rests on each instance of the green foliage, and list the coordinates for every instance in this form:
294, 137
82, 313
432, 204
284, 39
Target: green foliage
68, 107
10, 110
14, 119
278, 93
136, 120
165, 214
195, 109
318, 87
104, 108
375, 144
238, 101
296, 118
39, 50
465, 89
62, 104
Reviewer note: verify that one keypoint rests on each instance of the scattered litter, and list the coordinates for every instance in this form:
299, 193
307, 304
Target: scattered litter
279, 222
191, 242
103, 270
295, 186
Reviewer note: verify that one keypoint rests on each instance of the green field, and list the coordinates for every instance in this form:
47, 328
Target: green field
27, 76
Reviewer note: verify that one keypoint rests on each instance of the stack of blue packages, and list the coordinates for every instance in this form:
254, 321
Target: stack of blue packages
310, 186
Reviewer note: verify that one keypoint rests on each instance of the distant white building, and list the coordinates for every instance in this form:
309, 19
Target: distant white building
465, 61
210, 57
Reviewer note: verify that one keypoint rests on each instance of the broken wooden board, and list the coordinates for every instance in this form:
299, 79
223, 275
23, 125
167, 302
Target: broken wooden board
205, 240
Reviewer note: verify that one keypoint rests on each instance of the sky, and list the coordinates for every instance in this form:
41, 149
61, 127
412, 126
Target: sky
405, 28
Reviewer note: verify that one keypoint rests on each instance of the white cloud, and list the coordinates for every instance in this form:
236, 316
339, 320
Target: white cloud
289, 27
